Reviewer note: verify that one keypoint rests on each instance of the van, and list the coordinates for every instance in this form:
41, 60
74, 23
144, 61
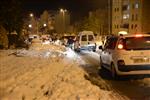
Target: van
85, 41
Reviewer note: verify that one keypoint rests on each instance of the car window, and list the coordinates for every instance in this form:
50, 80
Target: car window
90, 38
84, 38
140, 43
111, 43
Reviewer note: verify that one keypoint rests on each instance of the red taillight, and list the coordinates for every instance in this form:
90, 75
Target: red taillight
138, 35
120, 46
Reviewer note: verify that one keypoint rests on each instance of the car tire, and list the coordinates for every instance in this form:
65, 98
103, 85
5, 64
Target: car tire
94, 50
113, 72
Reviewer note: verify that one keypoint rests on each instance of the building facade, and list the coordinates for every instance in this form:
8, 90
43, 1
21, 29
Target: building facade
131, 16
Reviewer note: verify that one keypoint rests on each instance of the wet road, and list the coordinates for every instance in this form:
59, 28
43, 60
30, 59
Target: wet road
134, 88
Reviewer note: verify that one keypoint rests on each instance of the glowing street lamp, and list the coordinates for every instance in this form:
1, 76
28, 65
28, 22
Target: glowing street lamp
63, 10
30, 26
31, 15
44, 25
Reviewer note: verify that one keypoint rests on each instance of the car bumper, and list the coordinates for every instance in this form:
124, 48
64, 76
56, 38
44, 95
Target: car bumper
88, 47
128, 68
134, 70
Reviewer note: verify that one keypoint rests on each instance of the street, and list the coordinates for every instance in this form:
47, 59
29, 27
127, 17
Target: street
135, 88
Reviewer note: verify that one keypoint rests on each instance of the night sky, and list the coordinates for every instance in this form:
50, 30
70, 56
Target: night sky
77, 8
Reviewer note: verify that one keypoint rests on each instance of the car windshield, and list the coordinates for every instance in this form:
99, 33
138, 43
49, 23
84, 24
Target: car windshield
90, 37
140, 43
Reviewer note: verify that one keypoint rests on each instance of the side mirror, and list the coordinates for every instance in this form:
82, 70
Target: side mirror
100, 47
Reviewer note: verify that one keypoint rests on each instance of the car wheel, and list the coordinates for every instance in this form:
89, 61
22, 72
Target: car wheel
94, 50
113, 72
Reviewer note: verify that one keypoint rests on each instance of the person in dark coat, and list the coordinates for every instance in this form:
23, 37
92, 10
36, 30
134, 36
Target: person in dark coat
70, 42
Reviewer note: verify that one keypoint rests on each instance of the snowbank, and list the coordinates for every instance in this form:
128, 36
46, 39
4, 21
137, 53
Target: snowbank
27, 75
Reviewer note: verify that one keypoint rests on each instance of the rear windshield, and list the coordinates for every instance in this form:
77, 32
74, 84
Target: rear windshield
84, 38
90, 38
140, 43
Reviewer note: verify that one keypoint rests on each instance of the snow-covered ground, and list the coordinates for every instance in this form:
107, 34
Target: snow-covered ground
47, 72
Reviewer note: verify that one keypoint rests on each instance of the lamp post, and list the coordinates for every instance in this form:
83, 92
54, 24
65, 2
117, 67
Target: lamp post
62, 12
44, 27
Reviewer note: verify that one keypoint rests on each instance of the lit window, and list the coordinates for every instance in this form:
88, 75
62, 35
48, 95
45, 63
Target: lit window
128, 7
126, 16
136, 5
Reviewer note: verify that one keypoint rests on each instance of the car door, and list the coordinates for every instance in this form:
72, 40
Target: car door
104, 51
108, 50
83, 40
91, 39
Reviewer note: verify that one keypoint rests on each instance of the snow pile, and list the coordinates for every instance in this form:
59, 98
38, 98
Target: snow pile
40, 53
25, 78
43, 51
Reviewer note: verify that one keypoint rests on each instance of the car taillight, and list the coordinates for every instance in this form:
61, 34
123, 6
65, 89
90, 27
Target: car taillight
120, 46
121, 63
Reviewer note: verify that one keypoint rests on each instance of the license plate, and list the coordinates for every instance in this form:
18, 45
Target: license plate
141, 60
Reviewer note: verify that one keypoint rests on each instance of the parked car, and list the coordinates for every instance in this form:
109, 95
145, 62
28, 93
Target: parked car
85, 41
126, 55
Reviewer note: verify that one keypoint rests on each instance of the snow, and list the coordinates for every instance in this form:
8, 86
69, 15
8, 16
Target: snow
47, 72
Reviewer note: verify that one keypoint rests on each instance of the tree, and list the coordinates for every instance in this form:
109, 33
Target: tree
44, 19
11, 18
3, 38
96, 22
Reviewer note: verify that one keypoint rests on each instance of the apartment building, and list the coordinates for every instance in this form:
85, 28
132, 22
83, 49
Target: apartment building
131, 16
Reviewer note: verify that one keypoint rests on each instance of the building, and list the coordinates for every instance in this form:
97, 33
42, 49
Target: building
131, 16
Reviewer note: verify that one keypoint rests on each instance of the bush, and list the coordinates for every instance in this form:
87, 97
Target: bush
3, 38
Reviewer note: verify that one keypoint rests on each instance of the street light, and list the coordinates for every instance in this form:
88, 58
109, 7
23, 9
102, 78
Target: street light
30, 26
63, 14
44, 25
63, 10
31, 15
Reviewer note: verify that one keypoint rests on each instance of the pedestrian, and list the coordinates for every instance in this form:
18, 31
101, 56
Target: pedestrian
70, 42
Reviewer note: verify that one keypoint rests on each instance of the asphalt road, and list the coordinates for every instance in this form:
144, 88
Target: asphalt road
134, 88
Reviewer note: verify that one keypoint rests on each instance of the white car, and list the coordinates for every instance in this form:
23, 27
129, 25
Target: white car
126, 55
85, 41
